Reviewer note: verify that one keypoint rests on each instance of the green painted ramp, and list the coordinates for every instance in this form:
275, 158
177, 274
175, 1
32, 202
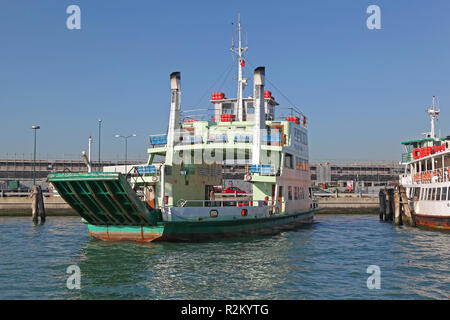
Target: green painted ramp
103, 198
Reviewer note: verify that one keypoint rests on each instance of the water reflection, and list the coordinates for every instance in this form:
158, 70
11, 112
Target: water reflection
248, 267
327, 260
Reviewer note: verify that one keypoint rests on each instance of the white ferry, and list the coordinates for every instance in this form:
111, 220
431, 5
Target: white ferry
182, 196
427, 176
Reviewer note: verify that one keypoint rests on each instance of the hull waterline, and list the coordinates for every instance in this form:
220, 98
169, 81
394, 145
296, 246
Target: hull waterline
195, 231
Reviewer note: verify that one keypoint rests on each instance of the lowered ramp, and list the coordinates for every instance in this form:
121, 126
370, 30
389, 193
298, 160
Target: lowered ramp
103, 198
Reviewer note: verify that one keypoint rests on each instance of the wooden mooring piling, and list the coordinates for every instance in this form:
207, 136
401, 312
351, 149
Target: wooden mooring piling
37, 204
394, 206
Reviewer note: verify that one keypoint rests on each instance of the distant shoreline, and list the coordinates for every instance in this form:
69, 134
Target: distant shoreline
72, 213
56, 206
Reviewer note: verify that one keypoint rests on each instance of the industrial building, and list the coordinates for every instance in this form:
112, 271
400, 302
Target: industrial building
360, 175
17, 174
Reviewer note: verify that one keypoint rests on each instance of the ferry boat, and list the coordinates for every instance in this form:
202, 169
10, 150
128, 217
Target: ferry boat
178, 194
427, 176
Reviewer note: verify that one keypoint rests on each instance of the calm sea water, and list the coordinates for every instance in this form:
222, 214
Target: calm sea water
326, 260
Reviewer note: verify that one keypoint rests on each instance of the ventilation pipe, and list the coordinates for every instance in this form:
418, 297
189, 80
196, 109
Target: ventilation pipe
260, 116
174, 118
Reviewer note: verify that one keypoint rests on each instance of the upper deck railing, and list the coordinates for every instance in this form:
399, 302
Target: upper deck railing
267, 139
263, 169
190, 116
407, 157
432, 176
158, 140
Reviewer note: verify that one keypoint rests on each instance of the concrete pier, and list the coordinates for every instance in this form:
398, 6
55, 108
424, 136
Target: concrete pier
20, 206
345, 205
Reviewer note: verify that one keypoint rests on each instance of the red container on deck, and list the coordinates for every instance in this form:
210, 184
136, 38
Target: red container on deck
217, 96
267, 94
227, 117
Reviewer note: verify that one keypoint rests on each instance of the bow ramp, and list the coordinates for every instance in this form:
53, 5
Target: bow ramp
103, 198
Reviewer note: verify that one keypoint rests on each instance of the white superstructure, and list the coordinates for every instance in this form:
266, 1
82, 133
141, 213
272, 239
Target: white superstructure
427, 176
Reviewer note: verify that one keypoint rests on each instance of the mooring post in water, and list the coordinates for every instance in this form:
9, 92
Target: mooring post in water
34, 204
41, 205
397, 204
407, 210
37, 204
389, 204
382, 197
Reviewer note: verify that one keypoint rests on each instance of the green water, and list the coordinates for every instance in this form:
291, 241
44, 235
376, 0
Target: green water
326, 260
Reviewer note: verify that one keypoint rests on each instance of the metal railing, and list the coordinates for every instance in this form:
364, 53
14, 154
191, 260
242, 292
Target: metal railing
157, 140
407, 157
263, 169
432, 176
282, 113
226, 203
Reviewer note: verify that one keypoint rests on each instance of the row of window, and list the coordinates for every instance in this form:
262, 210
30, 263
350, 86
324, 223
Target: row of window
300, 164
299, 193
432, 194
300, 136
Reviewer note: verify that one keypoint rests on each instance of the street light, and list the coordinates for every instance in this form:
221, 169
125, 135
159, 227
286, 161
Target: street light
126, 147
35, 128
99, 140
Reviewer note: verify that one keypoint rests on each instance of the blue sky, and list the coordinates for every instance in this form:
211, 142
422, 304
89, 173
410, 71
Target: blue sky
364, 91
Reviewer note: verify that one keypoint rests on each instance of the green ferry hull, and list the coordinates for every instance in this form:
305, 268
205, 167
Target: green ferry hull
200, 230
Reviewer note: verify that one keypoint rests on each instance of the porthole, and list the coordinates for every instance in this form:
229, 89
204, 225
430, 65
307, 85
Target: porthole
213, 213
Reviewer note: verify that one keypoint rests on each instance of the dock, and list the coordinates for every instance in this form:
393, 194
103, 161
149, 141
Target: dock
21, 206
394, 206
349, 204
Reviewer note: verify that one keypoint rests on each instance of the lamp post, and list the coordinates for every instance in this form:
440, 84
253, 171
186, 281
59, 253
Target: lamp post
126, 147
35, 128
99, 140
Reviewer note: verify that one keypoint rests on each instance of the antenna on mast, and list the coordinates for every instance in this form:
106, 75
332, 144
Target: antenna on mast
232, 37
433, 112
241, 63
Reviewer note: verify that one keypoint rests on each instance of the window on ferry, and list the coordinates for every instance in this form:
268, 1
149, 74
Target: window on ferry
416, 193
288, 161
250, 108
444, 193
429, 194
433, 194
289, 193
227, 108
295, 193
438, 194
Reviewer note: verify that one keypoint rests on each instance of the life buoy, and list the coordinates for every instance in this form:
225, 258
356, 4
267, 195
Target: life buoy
248, 177
154, 178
